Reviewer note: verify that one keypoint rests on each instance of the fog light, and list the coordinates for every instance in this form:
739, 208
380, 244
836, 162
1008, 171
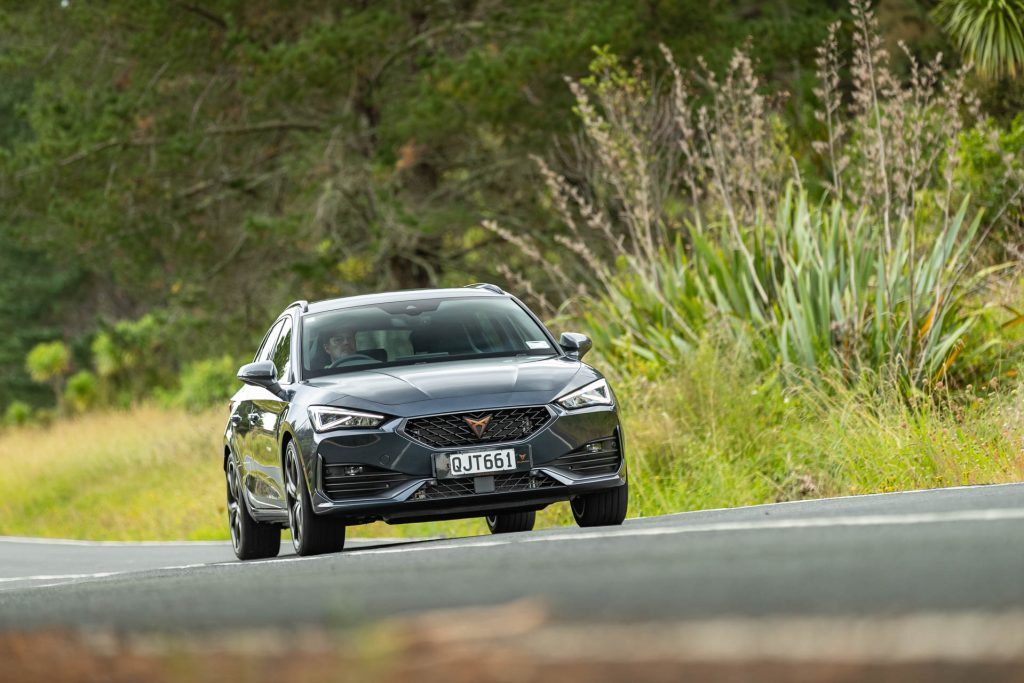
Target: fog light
353, 471
593, 448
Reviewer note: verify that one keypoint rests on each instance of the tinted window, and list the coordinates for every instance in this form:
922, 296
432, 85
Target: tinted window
282, 350
420, 331
268, 343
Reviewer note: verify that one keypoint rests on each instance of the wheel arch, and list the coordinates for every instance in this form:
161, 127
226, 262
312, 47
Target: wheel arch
308, 468
286, 438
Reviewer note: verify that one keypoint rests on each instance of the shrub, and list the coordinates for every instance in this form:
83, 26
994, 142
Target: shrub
991, 168
81, 391
18, 413
208, 382
131, 358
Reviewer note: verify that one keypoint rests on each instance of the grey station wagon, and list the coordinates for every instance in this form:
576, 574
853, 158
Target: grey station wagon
417, 406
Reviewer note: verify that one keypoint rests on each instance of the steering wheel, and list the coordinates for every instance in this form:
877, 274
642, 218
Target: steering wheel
355, 356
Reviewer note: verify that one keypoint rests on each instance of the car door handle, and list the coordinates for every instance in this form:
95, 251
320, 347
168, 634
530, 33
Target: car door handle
254, 418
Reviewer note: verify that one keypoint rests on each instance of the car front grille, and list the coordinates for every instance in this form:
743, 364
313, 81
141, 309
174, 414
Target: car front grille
503, 483
342, 481
452, 431
597, 457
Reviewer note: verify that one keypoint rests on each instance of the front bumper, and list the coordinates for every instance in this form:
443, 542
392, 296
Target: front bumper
575, 452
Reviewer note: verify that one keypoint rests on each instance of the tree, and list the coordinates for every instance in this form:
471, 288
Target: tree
989, 33
48, 363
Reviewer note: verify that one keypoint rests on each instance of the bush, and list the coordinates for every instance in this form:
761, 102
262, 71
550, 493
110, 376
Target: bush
131, 358
991, 168
47, 363
81, 391
18, 414
208, 382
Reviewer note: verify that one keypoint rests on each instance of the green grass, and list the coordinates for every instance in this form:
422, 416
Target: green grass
712, 433
715, 433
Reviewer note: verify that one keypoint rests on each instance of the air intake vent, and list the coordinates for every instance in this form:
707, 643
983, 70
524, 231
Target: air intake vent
359, 481
597, 457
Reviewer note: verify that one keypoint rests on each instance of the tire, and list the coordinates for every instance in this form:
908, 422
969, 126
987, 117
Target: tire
312, 534
251, 540
511, 522
604, 508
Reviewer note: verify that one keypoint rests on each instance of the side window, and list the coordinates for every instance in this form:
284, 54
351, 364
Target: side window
282, 351
268, 343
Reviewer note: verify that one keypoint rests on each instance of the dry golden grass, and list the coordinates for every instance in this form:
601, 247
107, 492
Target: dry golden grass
146, 474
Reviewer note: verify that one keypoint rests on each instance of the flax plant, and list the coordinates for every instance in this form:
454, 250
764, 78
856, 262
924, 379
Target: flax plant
829, 278
706, 226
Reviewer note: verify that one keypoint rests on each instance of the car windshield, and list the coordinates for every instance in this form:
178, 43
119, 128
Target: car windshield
418, 331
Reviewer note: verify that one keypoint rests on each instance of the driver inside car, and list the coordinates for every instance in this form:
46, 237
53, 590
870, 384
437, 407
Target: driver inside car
340, 346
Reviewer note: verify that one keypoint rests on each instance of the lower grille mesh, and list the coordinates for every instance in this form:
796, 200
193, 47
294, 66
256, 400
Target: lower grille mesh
503, 483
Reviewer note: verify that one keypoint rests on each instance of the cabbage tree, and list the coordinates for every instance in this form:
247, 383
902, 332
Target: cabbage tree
988, 33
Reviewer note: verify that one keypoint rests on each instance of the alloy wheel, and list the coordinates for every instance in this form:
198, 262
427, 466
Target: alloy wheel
234, 513
294, 493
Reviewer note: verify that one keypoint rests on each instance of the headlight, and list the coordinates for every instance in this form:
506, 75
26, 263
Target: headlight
325, 418
594, 394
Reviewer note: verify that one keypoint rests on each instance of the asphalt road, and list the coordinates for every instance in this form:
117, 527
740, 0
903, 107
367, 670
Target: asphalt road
944, 551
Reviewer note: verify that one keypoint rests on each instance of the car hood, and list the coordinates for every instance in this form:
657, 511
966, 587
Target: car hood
455, 385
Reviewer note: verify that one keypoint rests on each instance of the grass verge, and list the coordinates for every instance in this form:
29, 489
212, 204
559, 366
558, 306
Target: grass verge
718, 434
714, 433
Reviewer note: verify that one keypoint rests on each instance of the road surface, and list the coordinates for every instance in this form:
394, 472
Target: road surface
957, 550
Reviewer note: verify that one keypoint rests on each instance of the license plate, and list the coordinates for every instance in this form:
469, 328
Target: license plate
475, 462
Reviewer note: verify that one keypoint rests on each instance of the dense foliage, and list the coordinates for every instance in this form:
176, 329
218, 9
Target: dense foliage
174, 173
213, 161
688, 214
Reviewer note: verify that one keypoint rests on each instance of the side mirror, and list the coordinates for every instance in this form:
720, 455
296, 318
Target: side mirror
575, 344
261, 374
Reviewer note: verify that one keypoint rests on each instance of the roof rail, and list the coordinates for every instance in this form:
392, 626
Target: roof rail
488, 286
301, 303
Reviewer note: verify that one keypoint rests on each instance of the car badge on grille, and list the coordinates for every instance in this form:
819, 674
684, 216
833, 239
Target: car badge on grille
478, 426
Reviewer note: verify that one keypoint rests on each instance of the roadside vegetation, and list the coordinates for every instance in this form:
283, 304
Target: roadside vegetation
801, 285
714, 433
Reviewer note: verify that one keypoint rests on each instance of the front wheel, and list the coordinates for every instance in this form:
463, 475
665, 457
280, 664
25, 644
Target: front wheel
312, 534
251, 540
603, 508
510, 522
